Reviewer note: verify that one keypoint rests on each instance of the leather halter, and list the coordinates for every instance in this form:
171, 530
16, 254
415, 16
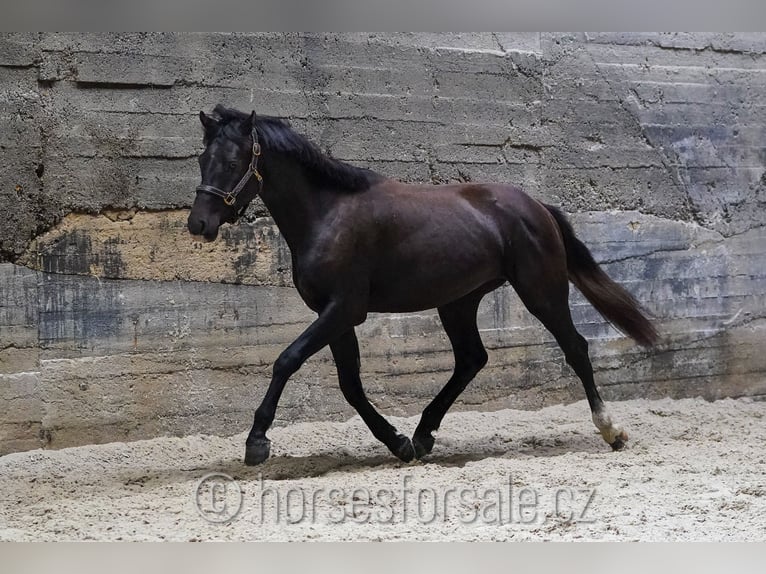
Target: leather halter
230, 197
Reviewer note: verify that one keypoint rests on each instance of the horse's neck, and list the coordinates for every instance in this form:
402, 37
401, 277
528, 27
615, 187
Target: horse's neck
292, 203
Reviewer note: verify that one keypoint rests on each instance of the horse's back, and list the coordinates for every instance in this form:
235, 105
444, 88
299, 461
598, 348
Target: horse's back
504, 209
431, 244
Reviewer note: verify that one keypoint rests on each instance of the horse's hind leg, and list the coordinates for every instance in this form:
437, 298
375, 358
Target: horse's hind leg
543, 286
575, 348
459, 320
345, 351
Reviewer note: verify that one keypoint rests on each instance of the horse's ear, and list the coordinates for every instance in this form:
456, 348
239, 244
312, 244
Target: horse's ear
248, 124
207, 121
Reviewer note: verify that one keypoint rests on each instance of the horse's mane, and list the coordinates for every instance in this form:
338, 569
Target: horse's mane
276, 134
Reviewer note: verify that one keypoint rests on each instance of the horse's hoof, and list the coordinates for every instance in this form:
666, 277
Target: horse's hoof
619, 441
423, 444
404, 450
257, 452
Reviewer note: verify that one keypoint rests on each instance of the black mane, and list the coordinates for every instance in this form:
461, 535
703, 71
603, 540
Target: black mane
275, 134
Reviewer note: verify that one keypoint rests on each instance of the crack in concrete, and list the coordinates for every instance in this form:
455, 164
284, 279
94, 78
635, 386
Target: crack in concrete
708, 48
498, 42
664, 160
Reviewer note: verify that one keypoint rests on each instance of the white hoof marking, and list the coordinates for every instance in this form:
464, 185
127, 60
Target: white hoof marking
607, 428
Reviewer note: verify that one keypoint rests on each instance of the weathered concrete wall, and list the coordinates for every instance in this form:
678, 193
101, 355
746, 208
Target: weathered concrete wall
114, 324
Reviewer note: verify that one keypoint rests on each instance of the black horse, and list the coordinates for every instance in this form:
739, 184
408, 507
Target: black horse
361, 242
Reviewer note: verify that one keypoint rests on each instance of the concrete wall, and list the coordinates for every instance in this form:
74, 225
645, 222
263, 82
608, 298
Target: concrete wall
115, 325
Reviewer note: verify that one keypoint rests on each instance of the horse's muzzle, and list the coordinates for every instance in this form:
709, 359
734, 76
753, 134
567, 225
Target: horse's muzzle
200, 227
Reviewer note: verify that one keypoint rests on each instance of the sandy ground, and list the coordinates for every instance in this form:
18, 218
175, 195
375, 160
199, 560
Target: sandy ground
693, 471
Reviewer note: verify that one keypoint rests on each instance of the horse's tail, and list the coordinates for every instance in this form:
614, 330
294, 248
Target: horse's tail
612, 301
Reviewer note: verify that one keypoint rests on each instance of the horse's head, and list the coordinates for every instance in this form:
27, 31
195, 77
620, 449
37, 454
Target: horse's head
230, 177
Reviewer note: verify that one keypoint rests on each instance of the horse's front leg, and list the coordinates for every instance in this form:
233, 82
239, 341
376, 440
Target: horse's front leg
345, 351
334, 320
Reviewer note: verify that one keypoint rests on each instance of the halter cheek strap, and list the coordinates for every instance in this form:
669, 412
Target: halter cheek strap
230, 197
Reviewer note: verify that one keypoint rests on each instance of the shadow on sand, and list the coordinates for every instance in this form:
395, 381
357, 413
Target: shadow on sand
452, 455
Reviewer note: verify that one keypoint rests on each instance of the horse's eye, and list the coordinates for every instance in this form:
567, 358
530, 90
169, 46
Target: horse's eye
232, 165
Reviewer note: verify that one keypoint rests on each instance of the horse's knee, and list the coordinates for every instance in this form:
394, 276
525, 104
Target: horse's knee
480, 360
472, 363
354, 397
286, 364
351, 387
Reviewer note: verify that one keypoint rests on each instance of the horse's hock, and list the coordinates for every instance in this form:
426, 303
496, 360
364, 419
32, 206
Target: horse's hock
115, 325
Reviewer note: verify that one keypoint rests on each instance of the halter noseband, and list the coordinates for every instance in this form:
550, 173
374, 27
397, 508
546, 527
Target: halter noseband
230, 198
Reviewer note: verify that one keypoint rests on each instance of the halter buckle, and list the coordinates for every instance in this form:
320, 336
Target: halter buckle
230, 199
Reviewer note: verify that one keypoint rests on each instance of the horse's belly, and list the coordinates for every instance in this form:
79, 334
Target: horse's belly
409, 289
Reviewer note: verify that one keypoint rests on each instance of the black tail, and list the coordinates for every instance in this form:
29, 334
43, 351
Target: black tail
612, 301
